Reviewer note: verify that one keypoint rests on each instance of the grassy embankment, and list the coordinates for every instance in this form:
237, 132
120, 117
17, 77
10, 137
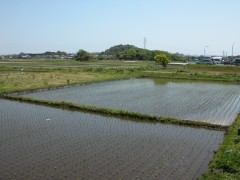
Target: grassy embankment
226, 162
199, 72
117, 113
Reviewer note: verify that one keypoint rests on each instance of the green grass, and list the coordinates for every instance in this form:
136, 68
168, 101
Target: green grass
65, 64
41, 74
193, 76
226, 162
15, 82
214, 68
114, 67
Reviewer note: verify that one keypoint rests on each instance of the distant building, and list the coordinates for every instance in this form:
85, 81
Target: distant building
25, 56
56, 56
70, 56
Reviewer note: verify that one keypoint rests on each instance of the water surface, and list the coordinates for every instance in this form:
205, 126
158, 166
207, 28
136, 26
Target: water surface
217, 103
38, 142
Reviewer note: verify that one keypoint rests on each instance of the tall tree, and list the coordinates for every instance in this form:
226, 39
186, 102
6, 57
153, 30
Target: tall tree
176, 57
82, 55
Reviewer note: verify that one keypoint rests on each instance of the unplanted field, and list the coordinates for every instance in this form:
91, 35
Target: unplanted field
216, 103
43, 142
34, 64
10, 82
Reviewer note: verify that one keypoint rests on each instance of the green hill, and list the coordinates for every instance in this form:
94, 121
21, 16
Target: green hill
130, 52
118, 49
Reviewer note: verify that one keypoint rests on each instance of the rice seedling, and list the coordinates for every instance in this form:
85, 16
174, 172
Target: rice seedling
208, 102
80, 143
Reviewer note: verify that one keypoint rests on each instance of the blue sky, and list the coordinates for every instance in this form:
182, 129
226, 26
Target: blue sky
184, 26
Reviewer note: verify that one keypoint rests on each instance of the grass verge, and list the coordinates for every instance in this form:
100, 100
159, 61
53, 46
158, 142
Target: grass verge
234, 78
117, 113
226, 162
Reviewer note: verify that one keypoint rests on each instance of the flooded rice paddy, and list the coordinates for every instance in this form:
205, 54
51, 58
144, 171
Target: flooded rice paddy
38, 142
217, 103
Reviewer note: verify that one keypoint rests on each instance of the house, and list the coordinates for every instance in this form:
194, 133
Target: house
25, 56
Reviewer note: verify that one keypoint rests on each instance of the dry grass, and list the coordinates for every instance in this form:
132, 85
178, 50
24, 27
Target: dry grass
34, 80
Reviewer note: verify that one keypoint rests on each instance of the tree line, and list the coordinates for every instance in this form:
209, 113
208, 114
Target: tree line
129, 52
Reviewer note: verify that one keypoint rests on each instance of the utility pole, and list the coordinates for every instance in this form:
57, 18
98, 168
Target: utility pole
204, 50
144, 42
232, 51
